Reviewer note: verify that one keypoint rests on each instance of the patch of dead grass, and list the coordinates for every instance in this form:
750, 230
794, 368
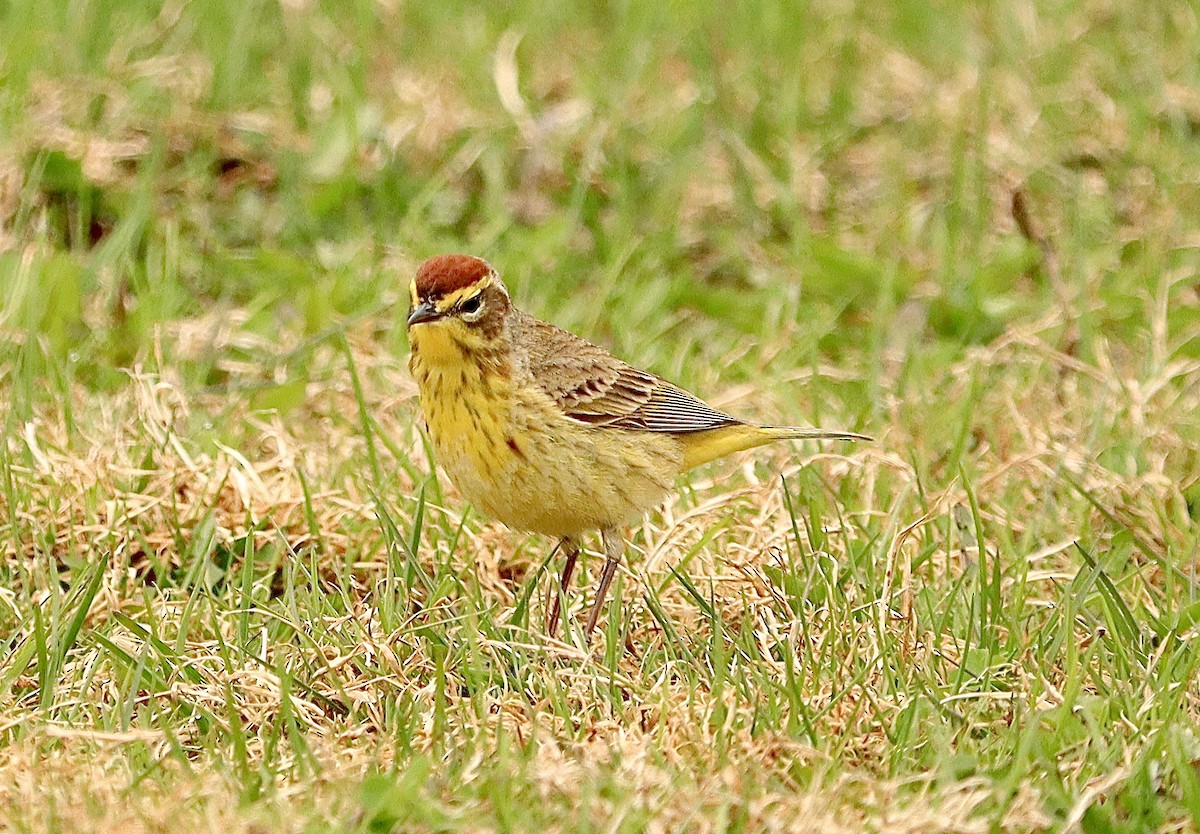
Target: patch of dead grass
102, 499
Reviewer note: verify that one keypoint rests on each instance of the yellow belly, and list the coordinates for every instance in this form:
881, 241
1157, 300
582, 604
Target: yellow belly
516, 457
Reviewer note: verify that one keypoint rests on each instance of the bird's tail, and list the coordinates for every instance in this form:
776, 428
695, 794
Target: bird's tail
806, 433
704, 446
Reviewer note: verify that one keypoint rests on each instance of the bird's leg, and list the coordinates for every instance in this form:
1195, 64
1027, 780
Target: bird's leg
570, 547
612, 557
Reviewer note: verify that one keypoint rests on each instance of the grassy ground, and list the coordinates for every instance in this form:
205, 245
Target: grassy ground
232, 597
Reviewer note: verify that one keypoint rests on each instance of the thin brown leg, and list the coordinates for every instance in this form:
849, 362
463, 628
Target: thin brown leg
612, 558
571, 548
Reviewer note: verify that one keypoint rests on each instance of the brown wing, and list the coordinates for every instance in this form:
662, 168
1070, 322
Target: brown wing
592, 386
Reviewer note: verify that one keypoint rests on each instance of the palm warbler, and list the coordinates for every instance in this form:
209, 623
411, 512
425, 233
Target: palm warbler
546, 432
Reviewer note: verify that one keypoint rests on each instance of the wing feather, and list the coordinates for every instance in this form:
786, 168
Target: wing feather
592, 386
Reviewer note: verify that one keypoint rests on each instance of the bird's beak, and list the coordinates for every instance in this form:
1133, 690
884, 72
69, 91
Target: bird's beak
425, 311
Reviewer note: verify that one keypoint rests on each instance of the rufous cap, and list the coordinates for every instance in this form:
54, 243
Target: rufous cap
444, 274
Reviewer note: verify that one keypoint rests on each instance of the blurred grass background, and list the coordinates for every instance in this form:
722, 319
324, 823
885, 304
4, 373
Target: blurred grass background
966, 228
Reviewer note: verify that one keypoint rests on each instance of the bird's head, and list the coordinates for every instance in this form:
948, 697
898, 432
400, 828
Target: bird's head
459, 304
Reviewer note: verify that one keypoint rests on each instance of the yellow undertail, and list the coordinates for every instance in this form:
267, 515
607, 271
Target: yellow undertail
703, 446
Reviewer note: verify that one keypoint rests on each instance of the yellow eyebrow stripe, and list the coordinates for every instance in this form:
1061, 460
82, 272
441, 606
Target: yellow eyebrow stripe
449, 300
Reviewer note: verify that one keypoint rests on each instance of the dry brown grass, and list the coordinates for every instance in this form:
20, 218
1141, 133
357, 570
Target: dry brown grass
910, 639
95, 495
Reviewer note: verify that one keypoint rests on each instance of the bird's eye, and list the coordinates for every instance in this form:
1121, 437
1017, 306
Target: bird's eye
471, 307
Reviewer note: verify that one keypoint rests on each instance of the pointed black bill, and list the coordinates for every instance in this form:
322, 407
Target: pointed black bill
425, 311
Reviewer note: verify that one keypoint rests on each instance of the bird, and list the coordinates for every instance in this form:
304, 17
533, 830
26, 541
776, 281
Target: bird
549, 433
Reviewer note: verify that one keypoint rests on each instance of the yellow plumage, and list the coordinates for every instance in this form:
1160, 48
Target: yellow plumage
546, 432
514, 455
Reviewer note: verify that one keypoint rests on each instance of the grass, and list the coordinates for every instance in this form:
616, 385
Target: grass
232, 595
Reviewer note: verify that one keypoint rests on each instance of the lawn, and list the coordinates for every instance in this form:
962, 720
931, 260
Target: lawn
234, 596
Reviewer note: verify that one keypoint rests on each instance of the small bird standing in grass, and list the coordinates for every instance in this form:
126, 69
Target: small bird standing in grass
546, 432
